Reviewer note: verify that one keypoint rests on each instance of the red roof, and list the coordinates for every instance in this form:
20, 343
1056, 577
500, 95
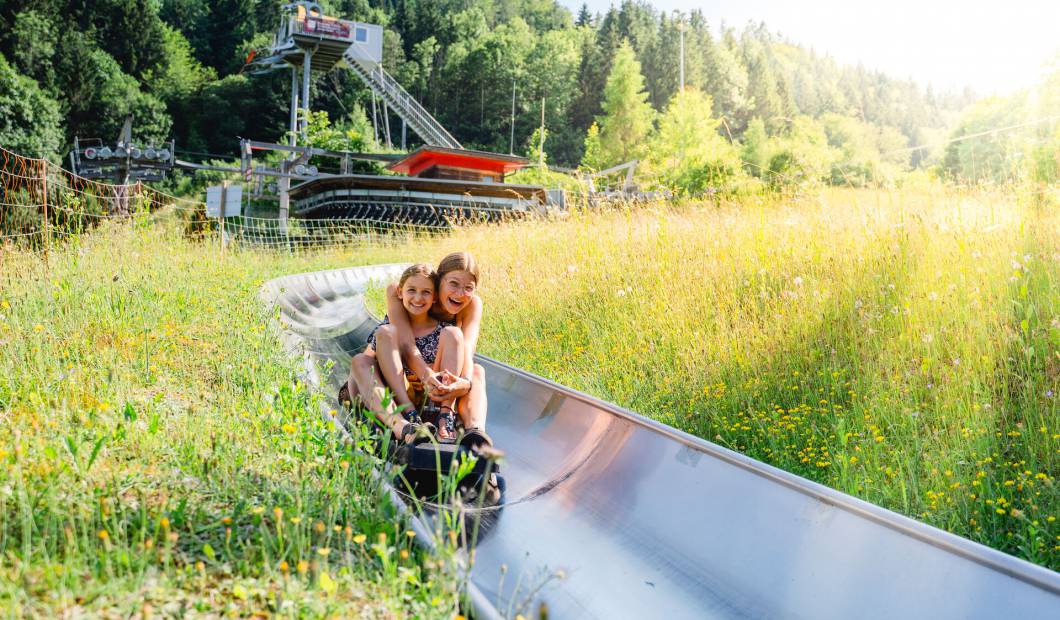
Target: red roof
427, 157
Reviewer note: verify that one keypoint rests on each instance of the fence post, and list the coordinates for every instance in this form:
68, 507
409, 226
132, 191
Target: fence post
221, 227
47, 224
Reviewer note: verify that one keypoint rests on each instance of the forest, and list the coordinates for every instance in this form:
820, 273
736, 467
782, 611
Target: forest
757, 110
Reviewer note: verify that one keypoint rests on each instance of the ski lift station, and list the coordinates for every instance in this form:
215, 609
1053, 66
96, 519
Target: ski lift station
432, 185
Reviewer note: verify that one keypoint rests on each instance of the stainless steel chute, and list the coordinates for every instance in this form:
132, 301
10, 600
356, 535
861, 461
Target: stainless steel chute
646, 521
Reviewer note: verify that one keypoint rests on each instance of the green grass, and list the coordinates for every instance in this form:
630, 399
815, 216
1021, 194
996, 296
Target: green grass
163, 456
901, 347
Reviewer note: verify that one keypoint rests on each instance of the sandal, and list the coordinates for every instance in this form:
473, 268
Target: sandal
446, 423
344, 397
414, 433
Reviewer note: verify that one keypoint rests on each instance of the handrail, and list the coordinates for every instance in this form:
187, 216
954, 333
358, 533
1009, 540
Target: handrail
384, 85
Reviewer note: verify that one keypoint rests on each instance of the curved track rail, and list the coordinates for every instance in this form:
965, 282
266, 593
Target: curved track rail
646, 521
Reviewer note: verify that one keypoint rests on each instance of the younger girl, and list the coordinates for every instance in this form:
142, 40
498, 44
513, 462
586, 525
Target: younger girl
437, 342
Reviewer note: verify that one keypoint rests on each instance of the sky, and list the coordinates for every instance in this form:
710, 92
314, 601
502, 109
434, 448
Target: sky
995, 47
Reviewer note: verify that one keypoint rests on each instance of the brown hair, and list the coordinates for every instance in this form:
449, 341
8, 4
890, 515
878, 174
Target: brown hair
419, 269
458, 261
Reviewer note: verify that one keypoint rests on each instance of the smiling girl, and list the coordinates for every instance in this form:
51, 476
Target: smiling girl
438, 344
395, 349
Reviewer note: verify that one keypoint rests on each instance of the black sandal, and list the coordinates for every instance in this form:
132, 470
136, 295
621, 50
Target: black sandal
447, 422
414, 433
476, 439
344, 397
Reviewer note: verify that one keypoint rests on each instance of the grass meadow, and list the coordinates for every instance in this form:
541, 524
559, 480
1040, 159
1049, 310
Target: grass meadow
900, 347
159, 458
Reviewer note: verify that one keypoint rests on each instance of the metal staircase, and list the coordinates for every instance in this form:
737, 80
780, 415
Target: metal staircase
385, 86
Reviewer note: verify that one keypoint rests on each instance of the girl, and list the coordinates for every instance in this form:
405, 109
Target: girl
437, 343
395, 349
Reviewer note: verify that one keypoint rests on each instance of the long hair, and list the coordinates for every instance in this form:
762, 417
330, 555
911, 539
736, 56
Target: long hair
458, 261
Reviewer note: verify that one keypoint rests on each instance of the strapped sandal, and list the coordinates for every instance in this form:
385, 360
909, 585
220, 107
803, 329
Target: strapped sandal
414, 433
344, 397
475, 439
447, 422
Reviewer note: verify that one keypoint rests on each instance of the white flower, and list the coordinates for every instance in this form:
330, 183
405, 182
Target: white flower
797, 281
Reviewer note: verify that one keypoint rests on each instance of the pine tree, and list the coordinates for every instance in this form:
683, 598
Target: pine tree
627, 117
585, 18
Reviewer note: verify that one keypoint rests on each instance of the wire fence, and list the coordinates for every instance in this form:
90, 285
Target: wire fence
42, 204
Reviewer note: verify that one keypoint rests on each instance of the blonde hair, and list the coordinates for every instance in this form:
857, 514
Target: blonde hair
458, 261
419, 269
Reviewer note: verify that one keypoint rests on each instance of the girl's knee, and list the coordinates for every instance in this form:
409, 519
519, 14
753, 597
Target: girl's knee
385, 332
362, 361
452, 335
479, 373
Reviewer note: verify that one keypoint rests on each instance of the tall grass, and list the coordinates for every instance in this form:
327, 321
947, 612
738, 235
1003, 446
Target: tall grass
901, 347
158, 454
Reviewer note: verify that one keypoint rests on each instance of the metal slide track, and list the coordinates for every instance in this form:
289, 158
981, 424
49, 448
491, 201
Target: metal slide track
648, 522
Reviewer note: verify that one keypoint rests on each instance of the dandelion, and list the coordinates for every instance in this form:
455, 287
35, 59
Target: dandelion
227, 520
257, 510
359, 539
200, 566
278, 513
404, 554
319, 527
323, 552
164, 522
288, 428
296, 520
303, 567
103, 535
38, 327
410, 534
284, 567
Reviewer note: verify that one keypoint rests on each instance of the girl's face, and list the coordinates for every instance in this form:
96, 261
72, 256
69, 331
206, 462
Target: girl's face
455, 291
417, 295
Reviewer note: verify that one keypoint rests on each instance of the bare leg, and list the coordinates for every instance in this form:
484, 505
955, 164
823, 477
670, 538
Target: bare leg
472, 408
364, 380
389, 359
449, 357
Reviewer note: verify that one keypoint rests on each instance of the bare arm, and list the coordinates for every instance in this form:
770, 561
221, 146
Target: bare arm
470, 323
399, 318
469, 320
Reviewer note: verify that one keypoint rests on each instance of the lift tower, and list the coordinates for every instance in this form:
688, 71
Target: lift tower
308, 41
